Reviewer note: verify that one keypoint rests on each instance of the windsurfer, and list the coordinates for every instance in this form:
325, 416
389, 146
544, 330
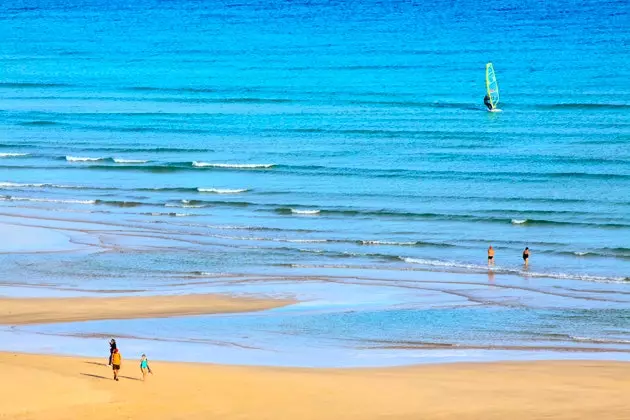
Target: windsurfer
487, 103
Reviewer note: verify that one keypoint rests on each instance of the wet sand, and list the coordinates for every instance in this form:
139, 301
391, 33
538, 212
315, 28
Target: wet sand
22, 311
55, 387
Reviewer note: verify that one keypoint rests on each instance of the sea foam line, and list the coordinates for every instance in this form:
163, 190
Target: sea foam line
500, 270
233, 165
222, 190
82, 159
4, 155
310, 212
120, 160
48, 200
388, 243
38, 185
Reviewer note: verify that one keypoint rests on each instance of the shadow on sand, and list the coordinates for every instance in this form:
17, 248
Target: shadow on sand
96, 363
91, 375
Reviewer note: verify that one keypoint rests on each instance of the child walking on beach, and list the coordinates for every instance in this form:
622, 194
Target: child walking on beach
116, 361
144, 367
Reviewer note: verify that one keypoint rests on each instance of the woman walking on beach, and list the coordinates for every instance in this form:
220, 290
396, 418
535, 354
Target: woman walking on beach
116, 361
144, 367
112, 347
526, 256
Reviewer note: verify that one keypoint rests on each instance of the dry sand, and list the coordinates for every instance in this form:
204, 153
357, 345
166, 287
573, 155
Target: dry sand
20, 311
55, 387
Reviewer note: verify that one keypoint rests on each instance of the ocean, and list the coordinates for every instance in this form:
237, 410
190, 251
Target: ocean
313, 148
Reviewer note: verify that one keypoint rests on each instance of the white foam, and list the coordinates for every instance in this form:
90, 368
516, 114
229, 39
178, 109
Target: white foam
581, 253
233, 165
311, 212
222, 191
16, 185
386, 243
306, 241
601, 340
504, 270
3, 155
36, 185
117, 160
50, 200
519, 221
82, 159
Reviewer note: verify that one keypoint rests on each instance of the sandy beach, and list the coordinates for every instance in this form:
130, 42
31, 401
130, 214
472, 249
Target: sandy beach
55, 387
16, 311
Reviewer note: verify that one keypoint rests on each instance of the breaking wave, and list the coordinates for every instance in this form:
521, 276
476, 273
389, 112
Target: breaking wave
5, 155
197, 164
82, 159
222, 191
118, 160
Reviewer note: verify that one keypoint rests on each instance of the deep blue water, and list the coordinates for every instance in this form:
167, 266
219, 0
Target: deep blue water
368, 112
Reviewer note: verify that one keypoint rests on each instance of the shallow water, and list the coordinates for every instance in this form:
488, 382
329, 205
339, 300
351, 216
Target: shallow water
169, 140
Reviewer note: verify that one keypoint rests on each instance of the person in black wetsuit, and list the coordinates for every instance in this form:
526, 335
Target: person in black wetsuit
487, 103
526, 257
112, 347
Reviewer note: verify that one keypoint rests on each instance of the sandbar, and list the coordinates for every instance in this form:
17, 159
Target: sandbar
58, 387
23, 311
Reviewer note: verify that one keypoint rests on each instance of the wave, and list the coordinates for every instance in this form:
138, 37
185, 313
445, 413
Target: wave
186, 204
122, 204
600, 340
82, 159
438, 263
149, 150
513, 271
119, 160
311, 170
47, 200
310, 212
222, 191
620, 253
10, 185
542, 222
39, 123
409, 243
26, 85
170, 214
585, 106
233, 165
4, 155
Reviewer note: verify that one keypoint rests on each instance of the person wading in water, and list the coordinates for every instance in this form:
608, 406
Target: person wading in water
526, 257
490, 255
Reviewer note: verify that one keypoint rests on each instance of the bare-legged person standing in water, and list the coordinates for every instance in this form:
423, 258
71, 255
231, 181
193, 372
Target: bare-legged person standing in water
490, 255
526, 257
116, 361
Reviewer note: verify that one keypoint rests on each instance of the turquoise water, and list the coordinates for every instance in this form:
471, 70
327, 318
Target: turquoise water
181, 140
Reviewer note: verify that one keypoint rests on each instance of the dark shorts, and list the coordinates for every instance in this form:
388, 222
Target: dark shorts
490, 257
525, 257
116, 367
